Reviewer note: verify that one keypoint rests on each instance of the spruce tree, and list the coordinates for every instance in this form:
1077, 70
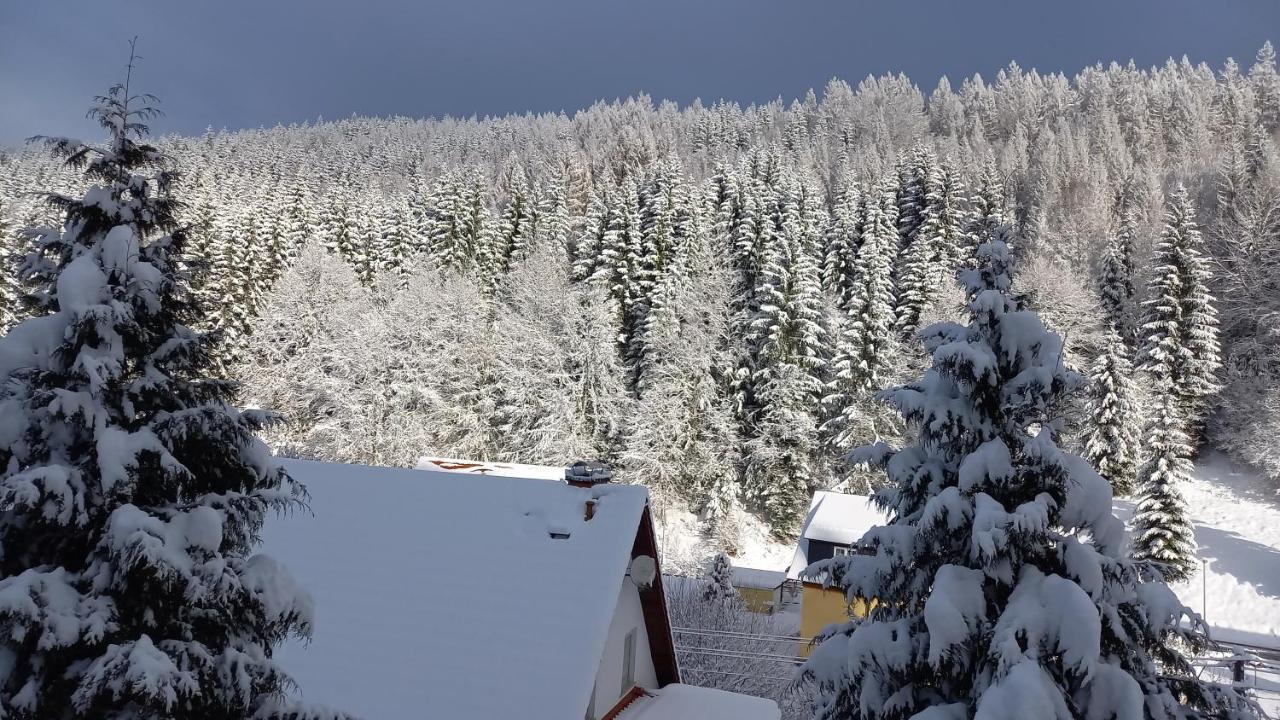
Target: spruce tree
862, 350
844, 238
788, 335
133, 491
987, 212
1115, 281
1266, 86
1161, 530
1180, 329
587, 252
930, 259
1111, 445
299, 224
8, 286
1001, 585
719, 585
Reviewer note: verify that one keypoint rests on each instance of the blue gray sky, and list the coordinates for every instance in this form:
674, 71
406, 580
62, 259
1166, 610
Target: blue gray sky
249, 63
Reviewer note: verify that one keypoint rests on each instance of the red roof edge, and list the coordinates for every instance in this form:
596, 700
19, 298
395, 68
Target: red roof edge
635, 693
653, 604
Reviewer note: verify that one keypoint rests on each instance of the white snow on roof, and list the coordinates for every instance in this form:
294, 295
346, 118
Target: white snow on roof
496, 469
749, 577
837, 518
688, 702
444, 595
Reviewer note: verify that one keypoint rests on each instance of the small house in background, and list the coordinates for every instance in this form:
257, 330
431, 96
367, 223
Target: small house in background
834, 525
482, 590
764, 591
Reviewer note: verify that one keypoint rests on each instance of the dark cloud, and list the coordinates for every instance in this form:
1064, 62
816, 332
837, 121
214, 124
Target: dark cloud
243, 63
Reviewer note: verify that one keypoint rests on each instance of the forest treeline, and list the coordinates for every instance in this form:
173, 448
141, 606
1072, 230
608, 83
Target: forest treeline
710, 297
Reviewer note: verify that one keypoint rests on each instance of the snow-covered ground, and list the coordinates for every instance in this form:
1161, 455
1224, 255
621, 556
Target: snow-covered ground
1236, 515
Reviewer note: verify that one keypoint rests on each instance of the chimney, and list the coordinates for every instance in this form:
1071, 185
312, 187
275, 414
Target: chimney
585, 474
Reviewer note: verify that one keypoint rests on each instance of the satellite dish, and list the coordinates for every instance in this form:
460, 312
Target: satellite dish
643, 571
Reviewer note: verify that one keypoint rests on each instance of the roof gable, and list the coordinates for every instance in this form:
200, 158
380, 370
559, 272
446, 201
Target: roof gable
836, 518
447, 593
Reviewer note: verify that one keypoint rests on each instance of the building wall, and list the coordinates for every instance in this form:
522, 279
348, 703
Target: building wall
820, 550
820, 607
627, 615
758, 600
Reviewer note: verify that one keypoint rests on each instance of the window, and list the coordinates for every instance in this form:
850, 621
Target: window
629, 661
846, 550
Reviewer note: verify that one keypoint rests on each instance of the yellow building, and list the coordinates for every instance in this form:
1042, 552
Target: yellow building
834, 525
761, 590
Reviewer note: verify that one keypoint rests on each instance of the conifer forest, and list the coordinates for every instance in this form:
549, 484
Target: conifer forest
992, 303
710, 297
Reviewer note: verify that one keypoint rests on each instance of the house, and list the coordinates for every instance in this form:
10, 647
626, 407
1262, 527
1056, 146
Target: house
762, 590
478, 590
834, 524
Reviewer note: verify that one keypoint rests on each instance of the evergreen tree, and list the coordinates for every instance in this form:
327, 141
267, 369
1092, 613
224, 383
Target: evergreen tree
1161, 530
619, 267
1001, 585
337, 222
788, 333
719, 586
1266, 86
988, 210
930, 259
1115, 281
457, 223
299, 220
1111, 445
588, 251
514, 237
8, 286
844, 238
132, 512
862, 350
751, 238
1180, 344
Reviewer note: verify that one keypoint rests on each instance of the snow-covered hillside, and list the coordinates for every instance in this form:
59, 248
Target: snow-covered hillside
1236, 516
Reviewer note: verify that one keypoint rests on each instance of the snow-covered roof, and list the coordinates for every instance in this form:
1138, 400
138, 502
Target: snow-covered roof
750, 577
837, 518
496, 469
688, 702
441, 594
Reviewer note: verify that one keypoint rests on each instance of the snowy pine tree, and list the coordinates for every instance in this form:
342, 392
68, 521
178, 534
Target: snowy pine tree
1115, 281
930, 260
844, 238
1180, 329
788, 333
133, 492
1161, 530
719, 585
1111, 445
863, 349
1001, 584
8, 286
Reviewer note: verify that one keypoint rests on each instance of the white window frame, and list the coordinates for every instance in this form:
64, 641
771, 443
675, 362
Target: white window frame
843, 551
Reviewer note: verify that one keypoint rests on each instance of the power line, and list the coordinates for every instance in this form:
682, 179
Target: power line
737, 655
735, 633
745, 675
